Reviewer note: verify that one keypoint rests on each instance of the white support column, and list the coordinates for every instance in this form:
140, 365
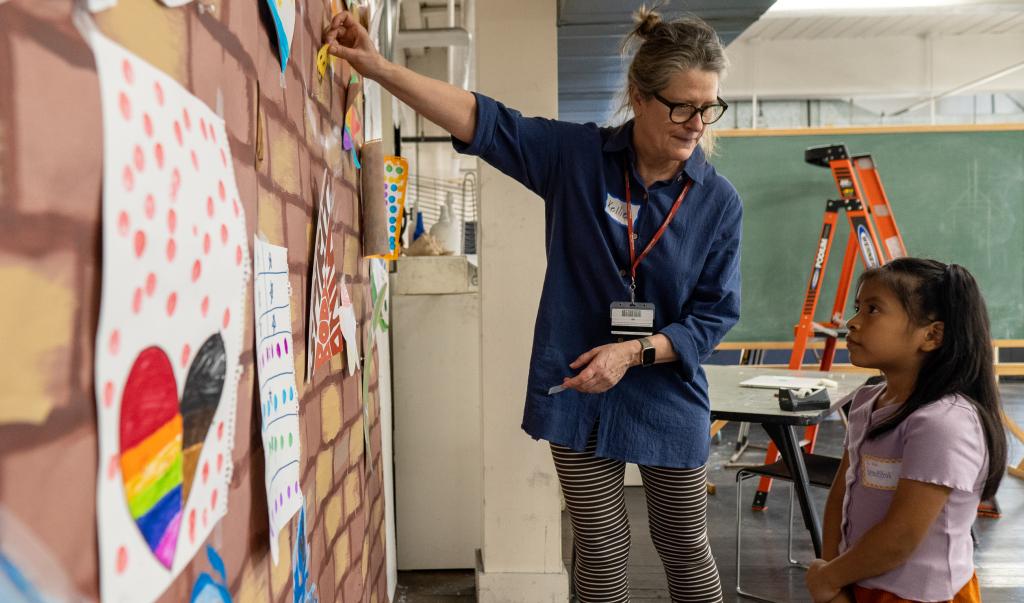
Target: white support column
521, 559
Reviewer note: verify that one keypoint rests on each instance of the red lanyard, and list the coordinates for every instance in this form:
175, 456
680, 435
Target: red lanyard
635, 261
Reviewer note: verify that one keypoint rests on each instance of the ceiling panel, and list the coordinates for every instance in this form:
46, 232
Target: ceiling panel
591, 70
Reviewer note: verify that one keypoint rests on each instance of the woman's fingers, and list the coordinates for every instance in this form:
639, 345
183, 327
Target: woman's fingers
584, 358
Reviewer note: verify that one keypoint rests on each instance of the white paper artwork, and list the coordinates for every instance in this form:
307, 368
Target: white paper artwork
171, 323
348, 328
279, 402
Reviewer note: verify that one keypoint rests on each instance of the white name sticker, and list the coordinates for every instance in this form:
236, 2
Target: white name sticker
880, 473
617, 210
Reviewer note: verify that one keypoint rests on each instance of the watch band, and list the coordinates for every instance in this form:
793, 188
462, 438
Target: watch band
647, 352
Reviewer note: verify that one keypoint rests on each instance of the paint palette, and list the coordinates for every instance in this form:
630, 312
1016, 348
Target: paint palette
396, 177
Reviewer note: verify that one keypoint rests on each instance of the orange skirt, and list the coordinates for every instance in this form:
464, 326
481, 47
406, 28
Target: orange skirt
970, 593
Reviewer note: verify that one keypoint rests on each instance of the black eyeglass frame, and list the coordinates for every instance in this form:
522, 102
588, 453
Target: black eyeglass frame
695, 110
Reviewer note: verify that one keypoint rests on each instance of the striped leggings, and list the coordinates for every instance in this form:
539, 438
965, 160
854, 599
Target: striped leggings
593, 489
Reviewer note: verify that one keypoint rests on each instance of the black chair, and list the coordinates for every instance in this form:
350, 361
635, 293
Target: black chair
821, 470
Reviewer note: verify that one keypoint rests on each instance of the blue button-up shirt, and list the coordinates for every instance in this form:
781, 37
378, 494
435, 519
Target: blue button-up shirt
657, 415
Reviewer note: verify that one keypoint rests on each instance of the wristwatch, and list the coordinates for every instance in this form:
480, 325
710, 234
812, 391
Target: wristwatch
647, 352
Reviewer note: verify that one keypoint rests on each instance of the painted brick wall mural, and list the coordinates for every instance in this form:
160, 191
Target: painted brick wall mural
131, 368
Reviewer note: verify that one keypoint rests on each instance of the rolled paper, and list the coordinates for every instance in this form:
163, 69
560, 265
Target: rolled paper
374, 207
383, 214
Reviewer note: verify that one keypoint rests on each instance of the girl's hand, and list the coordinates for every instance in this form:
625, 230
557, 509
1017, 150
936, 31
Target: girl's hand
818, 585
605, 366
347, 39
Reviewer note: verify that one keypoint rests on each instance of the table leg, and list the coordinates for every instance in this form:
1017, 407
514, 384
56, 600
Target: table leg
785, 439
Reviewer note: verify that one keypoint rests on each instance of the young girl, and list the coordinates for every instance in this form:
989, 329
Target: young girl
923, 448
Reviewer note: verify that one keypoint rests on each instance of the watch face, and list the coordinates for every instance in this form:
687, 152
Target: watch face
648, 355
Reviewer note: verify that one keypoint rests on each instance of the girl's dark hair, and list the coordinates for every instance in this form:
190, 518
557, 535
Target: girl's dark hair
932, 291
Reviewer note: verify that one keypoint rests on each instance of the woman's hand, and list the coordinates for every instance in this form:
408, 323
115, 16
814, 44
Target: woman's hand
843, 598
347, 39
822, 591
604, 367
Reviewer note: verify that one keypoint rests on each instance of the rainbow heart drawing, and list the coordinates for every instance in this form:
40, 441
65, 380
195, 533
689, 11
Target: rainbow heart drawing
162, 437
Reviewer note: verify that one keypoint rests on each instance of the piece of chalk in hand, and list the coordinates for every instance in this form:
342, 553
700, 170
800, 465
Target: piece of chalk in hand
556, 390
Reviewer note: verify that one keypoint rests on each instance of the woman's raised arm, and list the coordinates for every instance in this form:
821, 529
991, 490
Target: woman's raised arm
452, 108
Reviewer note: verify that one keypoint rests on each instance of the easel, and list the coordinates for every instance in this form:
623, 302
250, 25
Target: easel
860, 195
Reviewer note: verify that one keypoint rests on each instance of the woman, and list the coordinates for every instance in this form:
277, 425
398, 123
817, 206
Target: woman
648, 183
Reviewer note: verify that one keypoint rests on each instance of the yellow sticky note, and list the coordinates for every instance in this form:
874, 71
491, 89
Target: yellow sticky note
321, 61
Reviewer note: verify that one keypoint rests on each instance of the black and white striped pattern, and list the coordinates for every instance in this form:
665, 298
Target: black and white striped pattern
677, 509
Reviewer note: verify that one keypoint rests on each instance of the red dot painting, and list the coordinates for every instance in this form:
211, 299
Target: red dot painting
126, 70
122, 559
175, 183
139, 159
108, 394
126, 106
140, 243
168, 290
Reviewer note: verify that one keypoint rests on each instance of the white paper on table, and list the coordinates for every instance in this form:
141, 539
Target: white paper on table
171, 323
348, 327
783, 381
98, 5
174, 3
283, 12
275, 370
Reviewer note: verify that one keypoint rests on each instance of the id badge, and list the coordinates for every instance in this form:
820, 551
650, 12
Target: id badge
634, 319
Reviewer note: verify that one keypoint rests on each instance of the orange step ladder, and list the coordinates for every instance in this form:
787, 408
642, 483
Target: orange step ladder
871, 220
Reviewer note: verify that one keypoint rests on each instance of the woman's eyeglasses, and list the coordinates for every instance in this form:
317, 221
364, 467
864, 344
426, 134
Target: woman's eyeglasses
681, 113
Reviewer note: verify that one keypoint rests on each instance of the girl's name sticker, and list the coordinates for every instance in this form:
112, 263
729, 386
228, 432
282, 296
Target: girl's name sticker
880, 473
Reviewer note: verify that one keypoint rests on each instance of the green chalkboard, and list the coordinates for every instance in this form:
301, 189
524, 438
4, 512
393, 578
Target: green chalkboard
957, 197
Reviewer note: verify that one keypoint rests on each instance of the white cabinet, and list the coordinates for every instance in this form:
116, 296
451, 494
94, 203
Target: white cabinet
435, 319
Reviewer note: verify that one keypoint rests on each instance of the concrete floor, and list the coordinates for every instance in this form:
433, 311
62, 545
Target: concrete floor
1000, 541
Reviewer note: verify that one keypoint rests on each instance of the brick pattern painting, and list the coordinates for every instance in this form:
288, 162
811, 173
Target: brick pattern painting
284, 131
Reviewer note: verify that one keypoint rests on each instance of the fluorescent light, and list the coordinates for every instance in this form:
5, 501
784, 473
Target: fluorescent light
821, 5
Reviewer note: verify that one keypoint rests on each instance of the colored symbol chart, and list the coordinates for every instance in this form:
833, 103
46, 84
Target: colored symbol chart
275, 369
396, 176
